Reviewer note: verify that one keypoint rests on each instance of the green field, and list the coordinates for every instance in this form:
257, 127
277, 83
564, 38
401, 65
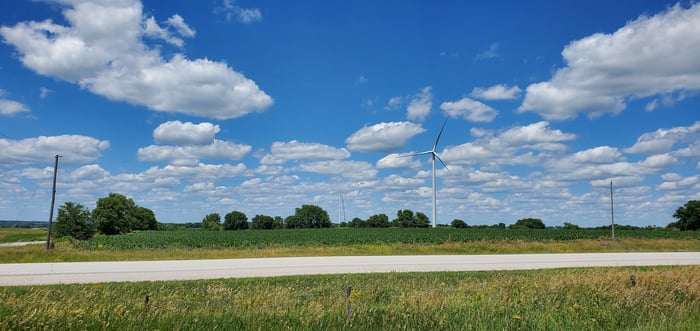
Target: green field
356, 236
664, 298
10, 235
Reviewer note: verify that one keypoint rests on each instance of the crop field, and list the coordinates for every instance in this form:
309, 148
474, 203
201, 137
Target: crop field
356, 236
9, 235
662, 298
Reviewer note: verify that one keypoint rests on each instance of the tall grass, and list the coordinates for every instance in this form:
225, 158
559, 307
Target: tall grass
664, 298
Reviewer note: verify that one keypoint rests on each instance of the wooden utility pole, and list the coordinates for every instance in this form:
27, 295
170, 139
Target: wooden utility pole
612, 213
49, 246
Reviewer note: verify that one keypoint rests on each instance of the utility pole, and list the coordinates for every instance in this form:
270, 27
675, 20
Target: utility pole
612, 212
49, 245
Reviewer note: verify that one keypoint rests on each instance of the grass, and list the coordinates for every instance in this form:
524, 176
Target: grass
664, 298
10, 235
66, 252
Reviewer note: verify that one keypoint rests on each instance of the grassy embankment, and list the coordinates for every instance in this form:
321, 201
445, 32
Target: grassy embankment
664, 298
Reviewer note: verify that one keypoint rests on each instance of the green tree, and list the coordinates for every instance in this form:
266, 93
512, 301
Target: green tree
688, 216
312, 216
571, 226
114, 214
212, 222
144, 219
74, 221
293, 222
528, 223
279, 223
378, 221
459, 224
235, 220
404, 219
421, 220
263, 222
358, 223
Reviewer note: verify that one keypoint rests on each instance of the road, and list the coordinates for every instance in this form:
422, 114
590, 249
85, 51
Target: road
96, 272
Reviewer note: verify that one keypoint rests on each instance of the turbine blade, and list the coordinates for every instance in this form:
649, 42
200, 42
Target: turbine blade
439, 134
416, 154
443, 163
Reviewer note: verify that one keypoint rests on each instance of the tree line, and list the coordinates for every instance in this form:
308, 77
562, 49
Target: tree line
117, 214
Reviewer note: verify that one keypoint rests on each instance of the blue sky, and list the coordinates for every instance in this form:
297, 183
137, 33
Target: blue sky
195, 107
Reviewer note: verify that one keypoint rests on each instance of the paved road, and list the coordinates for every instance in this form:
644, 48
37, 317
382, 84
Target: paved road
22, 243
96, 272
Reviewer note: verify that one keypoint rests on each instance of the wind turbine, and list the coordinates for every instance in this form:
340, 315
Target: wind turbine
433, 156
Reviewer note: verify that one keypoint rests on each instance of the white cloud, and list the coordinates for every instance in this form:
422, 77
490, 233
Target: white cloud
189, 154
41, 150
489, 53
648, 56
101, 49
188, 133
354, 170
496, 92
383, 137
394, 103
419, 107
536, 135
230, 11
282, 152
89, 172
663, 140
469, 109
397, 161
11, 107
199, 172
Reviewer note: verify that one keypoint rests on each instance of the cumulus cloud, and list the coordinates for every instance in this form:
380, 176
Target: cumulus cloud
102, 49
201, 171
383, 137
663, 140
355, 170
189, 154
282, 152
73, 149
496, 92
469, 109
188, 133
420, 105
10, 107
649, 56
536, 135
397, 161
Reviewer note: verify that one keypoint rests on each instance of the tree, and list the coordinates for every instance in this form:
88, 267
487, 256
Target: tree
688, 216
114, 214
528, 223
293, 222
263, 222
358, 223
571, 226
459, 224
378, 221
144, 219
421, 220
278, 223
404, 219
74, 221
235, 220
212, 222
312, 216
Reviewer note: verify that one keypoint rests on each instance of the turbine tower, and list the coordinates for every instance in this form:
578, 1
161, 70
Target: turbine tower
433, 156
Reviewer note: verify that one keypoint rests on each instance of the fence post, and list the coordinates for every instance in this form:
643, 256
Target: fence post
348, 292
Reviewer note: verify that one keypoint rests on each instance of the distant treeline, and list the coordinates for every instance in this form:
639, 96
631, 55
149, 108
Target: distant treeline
23, 224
